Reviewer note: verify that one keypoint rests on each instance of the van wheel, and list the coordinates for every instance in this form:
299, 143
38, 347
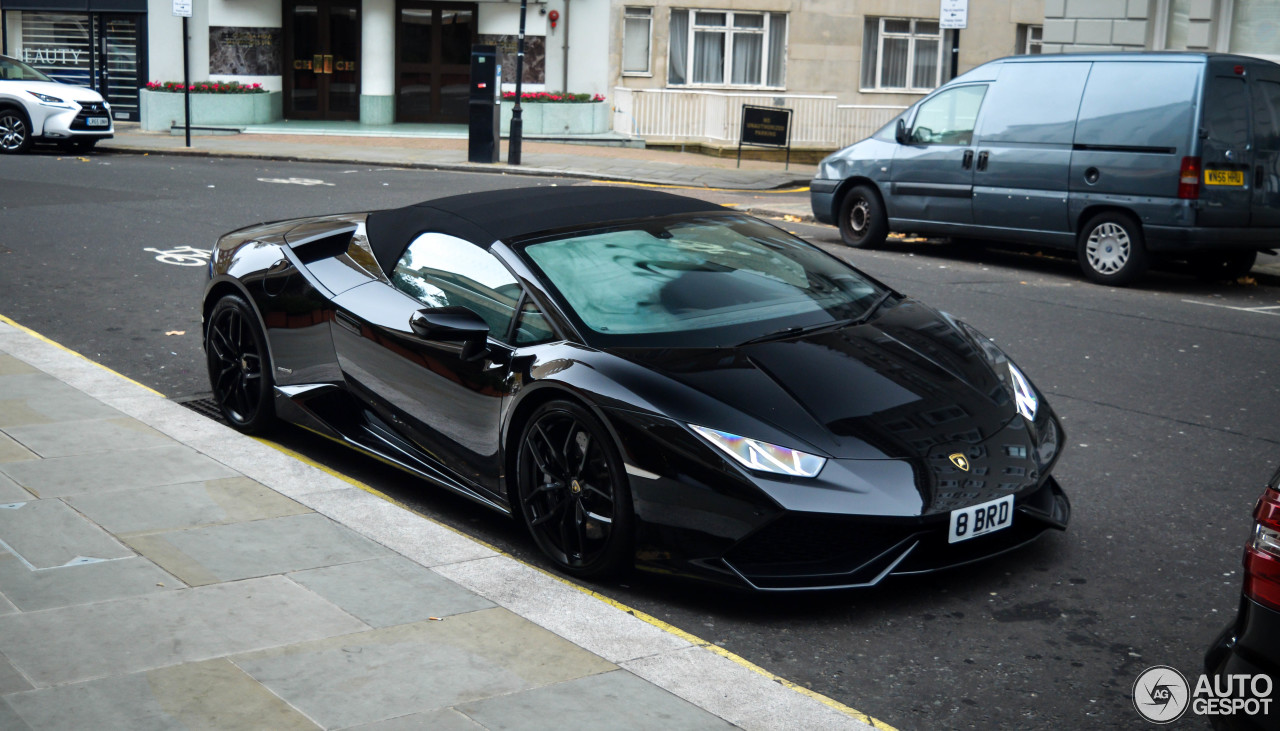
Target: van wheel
15, 131
1111, 249
863, 224
1224, 267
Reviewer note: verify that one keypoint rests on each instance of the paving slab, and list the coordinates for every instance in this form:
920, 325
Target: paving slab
12, 451
62, 476
78, 643
11, 681
616, 700
10, 366
188, 505
391, 672
35, 398
32, 591
446, 719
257, 548
385, 592
86, 437
12, 492
46, 534
204, 695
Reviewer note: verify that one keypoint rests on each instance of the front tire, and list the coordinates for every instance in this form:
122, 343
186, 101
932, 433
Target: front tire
863, 223
572, 491
15, 131
1111, 249
239, 366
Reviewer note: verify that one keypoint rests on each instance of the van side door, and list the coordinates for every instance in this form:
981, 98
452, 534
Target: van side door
1266, 147
931, 180
1024, 146
1226, 155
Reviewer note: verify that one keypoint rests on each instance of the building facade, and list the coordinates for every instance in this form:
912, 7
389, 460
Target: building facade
1247, 27
375, 61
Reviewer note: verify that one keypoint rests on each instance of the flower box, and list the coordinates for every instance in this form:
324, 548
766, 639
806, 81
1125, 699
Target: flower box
162, 110
557, 119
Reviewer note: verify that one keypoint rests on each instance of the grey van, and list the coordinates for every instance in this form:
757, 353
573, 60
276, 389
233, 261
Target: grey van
1116, 156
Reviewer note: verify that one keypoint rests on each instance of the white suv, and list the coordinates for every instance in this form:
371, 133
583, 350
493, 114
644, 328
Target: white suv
35, 107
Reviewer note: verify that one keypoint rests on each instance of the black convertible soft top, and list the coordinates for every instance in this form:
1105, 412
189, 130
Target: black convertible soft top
500, 215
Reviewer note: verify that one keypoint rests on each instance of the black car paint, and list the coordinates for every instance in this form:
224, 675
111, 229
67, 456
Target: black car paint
348, 366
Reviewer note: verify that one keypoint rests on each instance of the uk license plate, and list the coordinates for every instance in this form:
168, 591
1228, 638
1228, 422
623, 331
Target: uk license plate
1224, 177
979, 520
97, 121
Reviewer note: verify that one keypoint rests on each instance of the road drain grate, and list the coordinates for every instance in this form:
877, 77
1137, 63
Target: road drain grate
205, 407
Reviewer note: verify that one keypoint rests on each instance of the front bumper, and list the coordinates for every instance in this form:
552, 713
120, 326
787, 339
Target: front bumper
88, 120
1249, 646
822, 199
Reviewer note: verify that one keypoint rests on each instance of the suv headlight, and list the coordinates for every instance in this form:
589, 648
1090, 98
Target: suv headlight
762, 456
46, 99
1023, 395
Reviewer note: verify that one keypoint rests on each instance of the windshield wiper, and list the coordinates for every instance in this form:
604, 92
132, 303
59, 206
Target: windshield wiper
797, 330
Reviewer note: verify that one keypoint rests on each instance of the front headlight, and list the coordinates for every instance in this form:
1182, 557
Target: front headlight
762, 456
46, 98
1023, 395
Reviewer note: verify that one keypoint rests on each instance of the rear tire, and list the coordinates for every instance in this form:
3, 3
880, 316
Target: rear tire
863, 223
1112, 249
239, 366
15, 131
1224, 267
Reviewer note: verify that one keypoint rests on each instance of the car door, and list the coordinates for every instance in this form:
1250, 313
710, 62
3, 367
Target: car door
1024, 145
1266, 148
1226, 153
931, 178
447, 405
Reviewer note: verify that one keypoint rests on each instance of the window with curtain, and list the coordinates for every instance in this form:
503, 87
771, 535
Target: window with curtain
901, 54
637, 25
727, 48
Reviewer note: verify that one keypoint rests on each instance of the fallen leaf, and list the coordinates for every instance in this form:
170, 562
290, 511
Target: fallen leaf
791, 219
175, 332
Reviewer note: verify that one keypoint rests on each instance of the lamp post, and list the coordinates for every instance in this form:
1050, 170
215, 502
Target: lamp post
517, 123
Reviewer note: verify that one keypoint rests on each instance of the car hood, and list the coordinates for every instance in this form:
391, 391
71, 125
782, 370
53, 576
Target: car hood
902, 386
62, 91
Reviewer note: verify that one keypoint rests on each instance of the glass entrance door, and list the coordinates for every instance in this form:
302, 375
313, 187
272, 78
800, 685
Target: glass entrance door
117, 63
433, 61
322, 44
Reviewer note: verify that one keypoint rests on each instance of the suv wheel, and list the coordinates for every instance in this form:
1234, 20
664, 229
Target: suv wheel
15, 131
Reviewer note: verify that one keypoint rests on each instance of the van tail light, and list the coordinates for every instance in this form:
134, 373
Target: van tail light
1189, 178
1262, 555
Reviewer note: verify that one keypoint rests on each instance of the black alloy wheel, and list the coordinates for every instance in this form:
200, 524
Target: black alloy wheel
15, 131
239, 365
862, 220
572, 491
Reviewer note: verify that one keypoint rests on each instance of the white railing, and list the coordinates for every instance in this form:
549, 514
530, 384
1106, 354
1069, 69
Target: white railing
715, 117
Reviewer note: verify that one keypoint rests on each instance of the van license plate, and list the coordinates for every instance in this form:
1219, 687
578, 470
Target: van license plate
1224, 177
977, 520
97, 121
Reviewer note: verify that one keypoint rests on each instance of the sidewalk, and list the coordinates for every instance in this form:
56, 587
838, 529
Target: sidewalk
161, 571
588, 162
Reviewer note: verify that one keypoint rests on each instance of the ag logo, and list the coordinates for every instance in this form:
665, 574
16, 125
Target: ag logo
1160, 694
959, 460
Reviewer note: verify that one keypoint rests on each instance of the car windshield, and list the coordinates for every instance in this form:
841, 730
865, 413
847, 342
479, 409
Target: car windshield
11, 70
698, 281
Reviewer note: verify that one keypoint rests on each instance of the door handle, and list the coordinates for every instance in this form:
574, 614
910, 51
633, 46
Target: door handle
968, 159
328, 63
982, 160
317, 63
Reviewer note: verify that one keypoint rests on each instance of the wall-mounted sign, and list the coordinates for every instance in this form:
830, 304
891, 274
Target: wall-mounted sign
245, 51
182, 8
953, 14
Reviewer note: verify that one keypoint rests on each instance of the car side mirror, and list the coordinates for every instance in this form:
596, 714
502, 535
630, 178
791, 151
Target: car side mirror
900, 132
452, 325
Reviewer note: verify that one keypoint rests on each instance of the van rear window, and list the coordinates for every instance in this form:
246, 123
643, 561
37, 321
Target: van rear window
1225, 110
1139, 104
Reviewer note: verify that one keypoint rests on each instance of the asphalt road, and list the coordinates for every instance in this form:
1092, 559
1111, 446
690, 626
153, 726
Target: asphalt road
1169, 392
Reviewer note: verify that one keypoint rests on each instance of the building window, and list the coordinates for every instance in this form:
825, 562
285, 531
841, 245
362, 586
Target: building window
901, 54
1030, 39
1254, 25
637, 31
726, 48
